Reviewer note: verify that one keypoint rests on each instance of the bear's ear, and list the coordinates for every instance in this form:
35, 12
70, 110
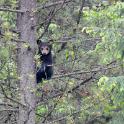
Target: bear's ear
39, 42
50, 42
50, 46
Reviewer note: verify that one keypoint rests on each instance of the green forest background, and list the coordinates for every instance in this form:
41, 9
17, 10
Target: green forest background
88, 48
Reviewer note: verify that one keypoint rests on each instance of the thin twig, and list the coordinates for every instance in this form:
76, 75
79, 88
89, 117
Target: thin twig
12, 110
15, 101
12, 10
80, 11
52, 14
52, 4
82, 83
48, 23
81, 72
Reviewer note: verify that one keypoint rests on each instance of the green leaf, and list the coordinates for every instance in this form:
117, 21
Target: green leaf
4, 53
41, 109
53, 27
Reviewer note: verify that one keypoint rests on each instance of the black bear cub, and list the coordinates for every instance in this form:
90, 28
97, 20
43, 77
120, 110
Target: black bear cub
46, 70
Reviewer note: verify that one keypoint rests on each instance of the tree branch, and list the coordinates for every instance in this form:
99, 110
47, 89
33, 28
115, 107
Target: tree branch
52, 4
11, 10
51, 15
81, 72
82, 83
16, 101
80, 11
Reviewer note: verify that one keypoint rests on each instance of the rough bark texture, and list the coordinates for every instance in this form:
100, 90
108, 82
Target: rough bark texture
26, 64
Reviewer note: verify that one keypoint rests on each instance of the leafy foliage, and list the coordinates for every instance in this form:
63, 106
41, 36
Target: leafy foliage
108, 25
96, 45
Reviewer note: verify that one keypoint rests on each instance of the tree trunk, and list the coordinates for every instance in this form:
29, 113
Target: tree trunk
26, 64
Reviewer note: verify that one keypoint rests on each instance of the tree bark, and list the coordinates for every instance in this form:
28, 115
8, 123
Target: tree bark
26, 64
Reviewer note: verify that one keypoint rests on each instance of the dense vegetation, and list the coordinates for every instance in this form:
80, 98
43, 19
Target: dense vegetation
88, 47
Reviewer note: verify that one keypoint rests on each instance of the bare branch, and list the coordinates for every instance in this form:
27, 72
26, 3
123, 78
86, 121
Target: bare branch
69, 115
15, 101
13, 110
53, 4
50, 17
84, 72
67, 39
80, 11
11, 10
82, 83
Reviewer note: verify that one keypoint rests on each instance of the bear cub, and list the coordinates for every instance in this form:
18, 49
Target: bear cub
46, 70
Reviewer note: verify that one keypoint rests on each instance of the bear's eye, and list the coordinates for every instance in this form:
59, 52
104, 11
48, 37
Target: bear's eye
47, 48
42, 48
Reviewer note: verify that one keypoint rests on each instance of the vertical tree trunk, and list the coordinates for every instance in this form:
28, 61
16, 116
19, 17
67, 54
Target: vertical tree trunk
26, 65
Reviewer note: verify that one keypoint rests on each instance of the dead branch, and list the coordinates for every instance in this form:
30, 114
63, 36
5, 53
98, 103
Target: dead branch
85, 72
12, 10
50, 17
80, 11
82, 83
53, 4
14, 100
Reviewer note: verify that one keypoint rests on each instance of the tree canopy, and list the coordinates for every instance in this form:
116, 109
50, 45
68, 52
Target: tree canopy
88, 49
